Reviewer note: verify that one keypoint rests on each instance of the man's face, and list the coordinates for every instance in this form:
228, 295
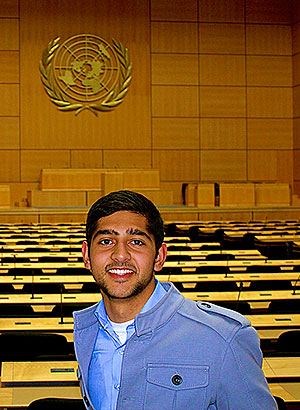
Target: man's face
122, 256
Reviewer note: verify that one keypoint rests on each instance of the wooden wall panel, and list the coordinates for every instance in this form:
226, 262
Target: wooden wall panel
268, 39
128, 124
268, 11
32, 161
86, 159
295, 11
297, 164
9, 165
9, 132
230, 11
18, 193
296, 69
127, 159
176, 187
175, 101
223, 133
168, 37
296, 133
175, 69
221, 38
9, 8
260, 102
223, 166
269, 71
9, 67
177, 165
183, 10
262, 165
9, 34
296, 101
222, 70
9, 99
285, 171
222, 102
296, 38
270, 133
178, 133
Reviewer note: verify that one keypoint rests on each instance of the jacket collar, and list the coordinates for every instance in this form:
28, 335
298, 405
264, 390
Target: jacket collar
144, 322
161, 312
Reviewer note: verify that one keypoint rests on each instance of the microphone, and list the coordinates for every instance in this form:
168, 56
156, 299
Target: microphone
239, 295
295, 285
61, 306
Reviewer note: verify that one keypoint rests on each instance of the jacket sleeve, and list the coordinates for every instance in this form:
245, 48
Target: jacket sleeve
242, 384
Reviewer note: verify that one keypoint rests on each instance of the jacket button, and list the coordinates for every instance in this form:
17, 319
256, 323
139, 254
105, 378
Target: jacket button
207, 305
177, 379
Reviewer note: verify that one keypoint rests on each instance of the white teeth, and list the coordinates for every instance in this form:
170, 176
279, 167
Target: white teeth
120, 271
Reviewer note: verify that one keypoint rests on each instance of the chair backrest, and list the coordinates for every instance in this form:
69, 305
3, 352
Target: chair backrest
57, 404
19, 346
280, 403
288, 342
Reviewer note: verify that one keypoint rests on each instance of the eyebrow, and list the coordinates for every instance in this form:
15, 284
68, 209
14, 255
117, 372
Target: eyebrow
131, 232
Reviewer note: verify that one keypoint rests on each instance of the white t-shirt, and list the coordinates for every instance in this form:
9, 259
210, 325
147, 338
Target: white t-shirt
121, 329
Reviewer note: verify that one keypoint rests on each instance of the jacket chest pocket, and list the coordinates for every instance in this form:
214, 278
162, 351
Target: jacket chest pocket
176, 386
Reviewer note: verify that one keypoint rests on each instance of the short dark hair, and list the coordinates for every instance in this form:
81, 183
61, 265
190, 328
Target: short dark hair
126, 201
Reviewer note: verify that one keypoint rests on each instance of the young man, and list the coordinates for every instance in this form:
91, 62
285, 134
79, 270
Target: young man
144, 346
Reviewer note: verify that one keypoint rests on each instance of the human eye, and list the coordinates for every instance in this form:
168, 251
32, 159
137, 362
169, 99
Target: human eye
137, 242
105, 242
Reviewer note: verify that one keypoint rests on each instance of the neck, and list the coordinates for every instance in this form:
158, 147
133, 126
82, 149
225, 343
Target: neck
121, 310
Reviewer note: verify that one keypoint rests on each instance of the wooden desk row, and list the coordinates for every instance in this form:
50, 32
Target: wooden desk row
64, 372
183, 264
187, 279
248, 296
267, 325
248, 254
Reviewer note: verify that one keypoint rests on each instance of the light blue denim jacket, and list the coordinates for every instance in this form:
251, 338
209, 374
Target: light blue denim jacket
183, 355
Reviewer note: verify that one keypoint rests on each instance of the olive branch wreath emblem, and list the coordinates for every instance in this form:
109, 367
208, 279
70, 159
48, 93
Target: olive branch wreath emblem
112, 100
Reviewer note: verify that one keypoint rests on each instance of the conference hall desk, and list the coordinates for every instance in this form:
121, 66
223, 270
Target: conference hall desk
240, 263
189, 280
40, 376
268, 326
238, 254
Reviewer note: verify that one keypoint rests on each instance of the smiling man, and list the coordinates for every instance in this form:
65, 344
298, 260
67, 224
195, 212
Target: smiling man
144, 346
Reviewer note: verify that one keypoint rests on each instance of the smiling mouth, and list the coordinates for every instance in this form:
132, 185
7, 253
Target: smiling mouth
118, 273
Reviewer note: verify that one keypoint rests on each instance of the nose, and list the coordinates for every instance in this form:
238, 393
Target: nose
121, 252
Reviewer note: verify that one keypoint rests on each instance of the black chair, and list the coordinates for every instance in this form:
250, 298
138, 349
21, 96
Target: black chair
16, 310
72, 271
57, 404
280, 403
288, 344
42, 288
242, 307
66, 310
168, 270
208, 270
25, 272
216, 286
220, 257
270, 285
178, 258
90, 287
284, 306
30, 346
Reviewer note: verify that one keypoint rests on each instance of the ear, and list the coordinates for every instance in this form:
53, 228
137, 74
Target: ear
161, 257
85, 254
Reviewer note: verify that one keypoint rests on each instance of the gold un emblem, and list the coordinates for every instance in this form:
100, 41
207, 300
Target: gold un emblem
86, 72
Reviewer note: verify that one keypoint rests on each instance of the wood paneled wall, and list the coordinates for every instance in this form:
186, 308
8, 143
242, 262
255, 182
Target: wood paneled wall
296, 95
215, 88
221, 74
